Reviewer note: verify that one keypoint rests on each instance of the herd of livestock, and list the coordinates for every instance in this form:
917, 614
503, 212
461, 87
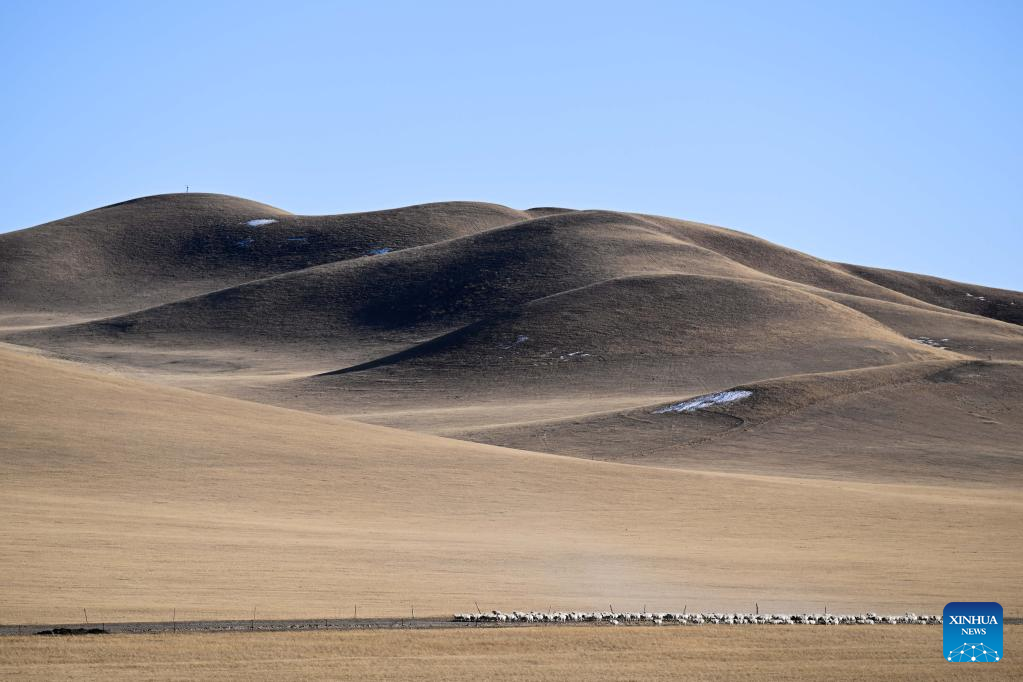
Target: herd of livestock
618, 618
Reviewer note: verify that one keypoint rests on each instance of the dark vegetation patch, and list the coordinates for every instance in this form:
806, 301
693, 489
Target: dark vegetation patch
74, 631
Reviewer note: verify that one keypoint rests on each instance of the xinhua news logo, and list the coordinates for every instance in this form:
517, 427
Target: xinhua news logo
972, 632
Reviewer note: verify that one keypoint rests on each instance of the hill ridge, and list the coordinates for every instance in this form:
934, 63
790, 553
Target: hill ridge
451, 317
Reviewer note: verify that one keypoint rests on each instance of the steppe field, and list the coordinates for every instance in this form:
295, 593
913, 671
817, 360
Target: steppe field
707, 653
211, 406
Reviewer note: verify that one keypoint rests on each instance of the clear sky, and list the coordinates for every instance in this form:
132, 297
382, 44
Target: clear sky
887, 133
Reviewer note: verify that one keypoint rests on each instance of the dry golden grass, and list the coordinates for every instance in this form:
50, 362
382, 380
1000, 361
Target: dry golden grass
635, 653
134, 499
952, 423
131, 499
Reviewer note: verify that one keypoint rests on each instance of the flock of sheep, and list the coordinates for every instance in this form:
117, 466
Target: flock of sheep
615, 618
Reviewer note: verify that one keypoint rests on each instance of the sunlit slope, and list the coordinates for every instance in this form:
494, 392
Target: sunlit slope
998, 304
130, 499
775, 260
963, 333
941, 422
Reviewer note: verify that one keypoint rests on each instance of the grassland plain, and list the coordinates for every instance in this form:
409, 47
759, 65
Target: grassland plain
131, 499
539, 653
211, 405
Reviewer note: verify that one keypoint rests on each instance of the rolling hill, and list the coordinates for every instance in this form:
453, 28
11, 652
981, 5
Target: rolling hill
208, 401
480, 316
152, 250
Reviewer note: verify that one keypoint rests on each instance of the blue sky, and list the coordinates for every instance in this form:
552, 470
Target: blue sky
884, 133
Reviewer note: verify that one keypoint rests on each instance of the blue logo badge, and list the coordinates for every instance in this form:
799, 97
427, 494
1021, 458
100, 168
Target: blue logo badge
972, 631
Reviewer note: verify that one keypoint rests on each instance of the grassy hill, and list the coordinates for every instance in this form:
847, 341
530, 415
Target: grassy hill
222, 435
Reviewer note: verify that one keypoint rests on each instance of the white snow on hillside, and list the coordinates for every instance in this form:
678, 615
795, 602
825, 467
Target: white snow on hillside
705, 401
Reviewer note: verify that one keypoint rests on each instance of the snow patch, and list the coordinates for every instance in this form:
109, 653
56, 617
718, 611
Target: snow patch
244, 243
928, 341
379, 252
705, 401
260, 222
576, 354
521, 338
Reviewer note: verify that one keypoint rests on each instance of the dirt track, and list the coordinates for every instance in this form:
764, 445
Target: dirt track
257, 625
317, 625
